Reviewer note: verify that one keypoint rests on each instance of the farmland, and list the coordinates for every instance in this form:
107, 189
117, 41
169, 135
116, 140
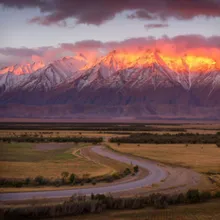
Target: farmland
30, 150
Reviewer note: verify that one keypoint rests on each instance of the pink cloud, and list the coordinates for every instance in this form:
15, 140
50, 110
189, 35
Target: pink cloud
194, 44
151, 26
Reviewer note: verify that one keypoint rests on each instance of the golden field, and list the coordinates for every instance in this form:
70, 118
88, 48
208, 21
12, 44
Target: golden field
200, 157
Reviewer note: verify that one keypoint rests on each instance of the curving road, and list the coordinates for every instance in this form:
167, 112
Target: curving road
155, 175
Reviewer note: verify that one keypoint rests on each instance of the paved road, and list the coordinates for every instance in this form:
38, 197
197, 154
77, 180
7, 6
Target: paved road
156, 174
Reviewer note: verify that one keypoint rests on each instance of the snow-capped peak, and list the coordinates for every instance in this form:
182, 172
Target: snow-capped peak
20, 69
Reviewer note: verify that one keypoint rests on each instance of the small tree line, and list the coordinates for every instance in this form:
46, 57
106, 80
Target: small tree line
186, 138
78, 205
41, 139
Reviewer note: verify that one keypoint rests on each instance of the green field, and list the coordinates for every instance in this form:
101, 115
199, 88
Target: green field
28, 152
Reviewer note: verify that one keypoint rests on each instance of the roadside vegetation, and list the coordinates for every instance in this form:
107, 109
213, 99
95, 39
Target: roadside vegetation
66, 179
55, 164
78, 205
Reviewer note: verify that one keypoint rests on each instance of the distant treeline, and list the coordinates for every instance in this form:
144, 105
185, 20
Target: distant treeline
185, 138
79, 205
86, 127
41, 139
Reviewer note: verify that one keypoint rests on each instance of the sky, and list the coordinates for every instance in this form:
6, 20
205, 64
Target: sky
49, 29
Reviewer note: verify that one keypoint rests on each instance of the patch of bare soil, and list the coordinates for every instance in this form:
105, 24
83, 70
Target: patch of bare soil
51, 146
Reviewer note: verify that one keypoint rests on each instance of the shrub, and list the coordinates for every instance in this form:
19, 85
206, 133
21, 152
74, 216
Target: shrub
176, 199
161, 202
193, 196
204, 196
127, 171
39, 180
72, 178
57, 182
27, 181
115, 176
136, 168
217, 194
64, 176
94, 182
18, 184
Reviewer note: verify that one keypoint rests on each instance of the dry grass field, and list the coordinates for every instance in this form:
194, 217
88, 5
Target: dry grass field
196, 128
205, 211
21, 160
200, 157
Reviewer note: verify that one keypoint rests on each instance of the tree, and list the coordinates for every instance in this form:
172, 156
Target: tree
64, 175
193, 196
136, 168
127, 171
72, 178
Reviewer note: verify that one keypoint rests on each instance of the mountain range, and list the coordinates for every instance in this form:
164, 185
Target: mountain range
145, 84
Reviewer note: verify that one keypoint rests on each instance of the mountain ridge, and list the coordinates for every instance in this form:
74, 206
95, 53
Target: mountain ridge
143, 84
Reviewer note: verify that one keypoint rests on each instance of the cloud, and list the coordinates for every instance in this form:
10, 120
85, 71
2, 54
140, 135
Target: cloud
23, 51
179, 45
152, 26
141, 14
99, 11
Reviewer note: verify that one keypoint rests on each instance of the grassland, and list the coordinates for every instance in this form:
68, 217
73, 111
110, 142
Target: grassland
200, 157
203, 158
21, 160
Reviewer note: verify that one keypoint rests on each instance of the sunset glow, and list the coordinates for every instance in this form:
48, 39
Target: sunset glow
122, 60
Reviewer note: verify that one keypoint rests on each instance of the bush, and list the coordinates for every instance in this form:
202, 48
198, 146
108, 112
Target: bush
57, 182
64, 176
136, 168
161, 202
204, 196
193, 196
27, 181
116, 176
94, 182
217, 194
127, 171
72, 178
177, 199
39, 180
18, 184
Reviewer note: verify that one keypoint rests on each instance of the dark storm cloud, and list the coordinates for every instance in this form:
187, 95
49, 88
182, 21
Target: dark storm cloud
151, 26
99, 11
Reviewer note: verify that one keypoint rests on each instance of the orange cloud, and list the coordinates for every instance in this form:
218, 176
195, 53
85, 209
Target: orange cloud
177, 46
